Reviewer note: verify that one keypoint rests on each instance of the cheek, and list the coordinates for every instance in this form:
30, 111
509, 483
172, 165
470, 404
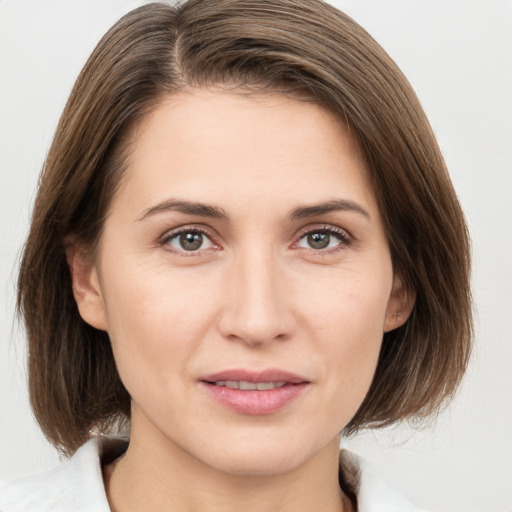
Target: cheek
351, 303
348, 320
156, 320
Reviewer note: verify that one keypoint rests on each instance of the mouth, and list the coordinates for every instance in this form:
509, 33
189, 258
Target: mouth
254, 393
245, 385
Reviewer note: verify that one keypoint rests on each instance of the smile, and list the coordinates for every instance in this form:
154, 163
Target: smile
254, 393
249, 386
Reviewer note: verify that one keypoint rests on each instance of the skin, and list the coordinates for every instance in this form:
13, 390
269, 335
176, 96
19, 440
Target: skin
254, 295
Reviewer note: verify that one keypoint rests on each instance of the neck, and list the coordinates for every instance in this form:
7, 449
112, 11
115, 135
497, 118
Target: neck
161, 476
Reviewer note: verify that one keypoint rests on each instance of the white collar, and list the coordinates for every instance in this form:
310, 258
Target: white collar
77, 485
373, 493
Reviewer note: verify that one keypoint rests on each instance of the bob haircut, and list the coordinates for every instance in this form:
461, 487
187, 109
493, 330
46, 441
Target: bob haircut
305, 49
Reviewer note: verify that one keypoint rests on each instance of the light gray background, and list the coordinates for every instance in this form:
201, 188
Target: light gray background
458, 56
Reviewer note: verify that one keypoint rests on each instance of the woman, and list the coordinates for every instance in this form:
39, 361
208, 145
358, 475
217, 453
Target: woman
245, 241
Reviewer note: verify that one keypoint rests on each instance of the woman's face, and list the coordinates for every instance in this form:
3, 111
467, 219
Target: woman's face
244, 278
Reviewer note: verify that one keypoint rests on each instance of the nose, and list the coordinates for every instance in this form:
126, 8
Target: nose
256, 308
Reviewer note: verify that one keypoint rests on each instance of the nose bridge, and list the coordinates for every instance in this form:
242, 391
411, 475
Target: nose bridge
257, 310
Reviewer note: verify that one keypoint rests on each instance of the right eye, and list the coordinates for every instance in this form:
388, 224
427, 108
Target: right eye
189, 240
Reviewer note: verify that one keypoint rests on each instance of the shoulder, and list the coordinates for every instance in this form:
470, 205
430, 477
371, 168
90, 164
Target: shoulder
74, 485
373, 493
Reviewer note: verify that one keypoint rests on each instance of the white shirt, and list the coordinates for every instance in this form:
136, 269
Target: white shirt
77, 485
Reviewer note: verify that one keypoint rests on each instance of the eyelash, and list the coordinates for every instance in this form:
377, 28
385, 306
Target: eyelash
169, 236
345, 240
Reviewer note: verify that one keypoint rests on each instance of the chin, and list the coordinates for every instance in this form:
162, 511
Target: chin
257, 464
259, 458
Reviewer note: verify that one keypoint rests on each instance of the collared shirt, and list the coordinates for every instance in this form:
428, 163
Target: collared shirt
77, 485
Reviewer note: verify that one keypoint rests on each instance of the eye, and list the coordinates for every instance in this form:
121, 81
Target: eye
190, 240
323, 239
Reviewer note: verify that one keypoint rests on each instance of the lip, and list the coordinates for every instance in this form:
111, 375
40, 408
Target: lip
255, 402
267, 375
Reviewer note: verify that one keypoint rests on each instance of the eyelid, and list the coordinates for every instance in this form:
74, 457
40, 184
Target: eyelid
173, 233
346, 239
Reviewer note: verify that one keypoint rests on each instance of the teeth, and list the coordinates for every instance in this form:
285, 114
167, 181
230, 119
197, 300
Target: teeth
247, 385
250, 386
270, 385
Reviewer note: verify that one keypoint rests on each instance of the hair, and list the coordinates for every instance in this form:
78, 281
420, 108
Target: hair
305, 48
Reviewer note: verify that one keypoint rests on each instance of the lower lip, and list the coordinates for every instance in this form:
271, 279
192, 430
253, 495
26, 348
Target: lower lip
254, 402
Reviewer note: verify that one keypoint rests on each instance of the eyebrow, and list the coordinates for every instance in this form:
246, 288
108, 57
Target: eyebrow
187, 207
329, 206
215, 212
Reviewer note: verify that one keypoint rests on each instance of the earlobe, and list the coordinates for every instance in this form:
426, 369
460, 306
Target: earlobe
86, 287
400, 304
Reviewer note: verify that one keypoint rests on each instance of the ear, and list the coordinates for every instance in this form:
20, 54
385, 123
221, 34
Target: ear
400, 304
86, 286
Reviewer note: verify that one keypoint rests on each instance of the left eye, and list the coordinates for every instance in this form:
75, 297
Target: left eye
320, 240
190, 241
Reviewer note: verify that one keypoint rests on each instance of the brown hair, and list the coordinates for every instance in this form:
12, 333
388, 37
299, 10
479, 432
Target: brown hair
292, 46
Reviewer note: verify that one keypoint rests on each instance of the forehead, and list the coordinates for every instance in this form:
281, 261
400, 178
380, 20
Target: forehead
214, 146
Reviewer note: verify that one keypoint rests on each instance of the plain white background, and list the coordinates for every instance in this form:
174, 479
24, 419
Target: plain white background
458, 56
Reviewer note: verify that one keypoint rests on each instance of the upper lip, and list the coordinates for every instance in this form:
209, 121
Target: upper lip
268, 375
